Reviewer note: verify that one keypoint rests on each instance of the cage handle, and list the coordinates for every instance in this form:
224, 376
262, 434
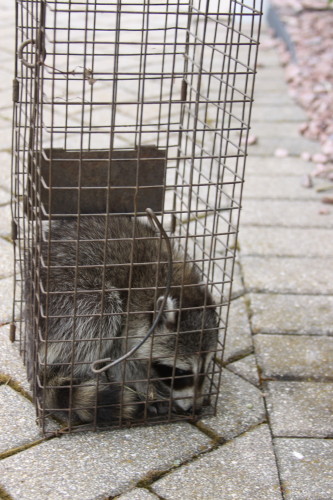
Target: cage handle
111, 363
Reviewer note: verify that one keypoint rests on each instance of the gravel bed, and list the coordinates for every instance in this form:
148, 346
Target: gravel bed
310, 76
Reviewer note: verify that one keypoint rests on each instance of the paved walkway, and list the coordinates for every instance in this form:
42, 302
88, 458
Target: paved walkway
271, 437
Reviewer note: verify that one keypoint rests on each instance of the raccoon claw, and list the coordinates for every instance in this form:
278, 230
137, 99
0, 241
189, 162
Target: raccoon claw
152, 411
158, 409
163, 408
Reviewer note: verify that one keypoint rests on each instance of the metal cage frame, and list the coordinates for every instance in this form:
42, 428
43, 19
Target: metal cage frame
120, 107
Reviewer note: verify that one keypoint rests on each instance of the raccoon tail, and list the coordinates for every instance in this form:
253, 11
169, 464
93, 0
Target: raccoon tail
84, 401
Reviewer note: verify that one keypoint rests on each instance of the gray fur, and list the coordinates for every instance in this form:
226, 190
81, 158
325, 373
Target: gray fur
81, 324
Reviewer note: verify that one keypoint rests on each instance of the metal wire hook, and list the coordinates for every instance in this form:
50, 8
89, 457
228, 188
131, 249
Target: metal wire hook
111, 363
31, 41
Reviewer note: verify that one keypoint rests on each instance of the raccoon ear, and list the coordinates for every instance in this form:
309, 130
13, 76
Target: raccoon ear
169, 315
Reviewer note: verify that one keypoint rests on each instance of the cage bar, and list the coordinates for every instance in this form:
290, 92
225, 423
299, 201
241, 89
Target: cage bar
120, 107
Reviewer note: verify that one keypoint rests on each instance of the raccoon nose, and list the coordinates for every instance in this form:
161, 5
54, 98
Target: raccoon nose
194, 409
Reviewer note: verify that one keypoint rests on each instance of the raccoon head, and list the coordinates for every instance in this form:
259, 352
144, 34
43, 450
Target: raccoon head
181, 361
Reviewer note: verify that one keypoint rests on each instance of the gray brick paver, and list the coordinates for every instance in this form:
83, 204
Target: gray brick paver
5, 177
284, 213
93, 466
137, 494
11, 365
290, 313
295, 357
285, 242
268, 187
242, 469
18, 420
288, 275
238, 340
246, 368
268, 58
301, 408
240, 407
276, 129
6, 299
5, 221
268, 145
276, 97
6, 261
268, 112
306, 468
290, 166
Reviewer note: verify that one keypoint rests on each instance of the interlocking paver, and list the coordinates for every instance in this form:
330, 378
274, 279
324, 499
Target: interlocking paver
5, 178
6, 92
5, 220
240, 407
241, 469
91, 466
18, 420
137, 494
276, 167
246, 368
285, 242
268, 187
306, 468
6, 261
278, 129
289, 313
267, 112
267, 145
10, 361
6, 132
6, 299
295, 356
237, 284
268, 58
302, 409
272, 76
238, 338
288, 275
285, 214
278, 96
4, 194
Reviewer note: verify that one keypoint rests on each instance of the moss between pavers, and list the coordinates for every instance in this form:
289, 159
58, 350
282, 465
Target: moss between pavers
14, 451
8, 380
4, 495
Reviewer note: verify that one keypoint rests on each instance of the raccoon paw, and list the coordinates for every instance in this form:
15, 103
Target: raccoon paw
115, 404
158, 409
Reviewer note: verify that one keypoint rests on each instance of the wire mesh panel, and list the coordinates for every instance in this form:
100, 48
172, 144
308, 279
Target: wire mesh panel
129, 141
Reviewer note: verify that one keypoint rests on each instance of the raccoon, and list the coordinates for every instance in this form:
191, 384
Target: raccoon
104, 284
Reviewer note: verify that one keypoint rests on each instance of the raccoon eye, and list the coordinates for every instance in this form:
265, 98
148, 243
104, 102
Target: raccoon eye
180, 373
165, 371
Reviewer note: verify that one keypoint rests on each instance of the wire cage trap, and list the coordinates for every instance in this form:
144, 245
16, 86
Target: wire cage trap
129, 145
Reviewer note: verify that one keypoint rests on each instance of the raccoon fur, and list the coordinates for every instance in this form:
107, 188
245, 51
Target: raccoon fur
80, 323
